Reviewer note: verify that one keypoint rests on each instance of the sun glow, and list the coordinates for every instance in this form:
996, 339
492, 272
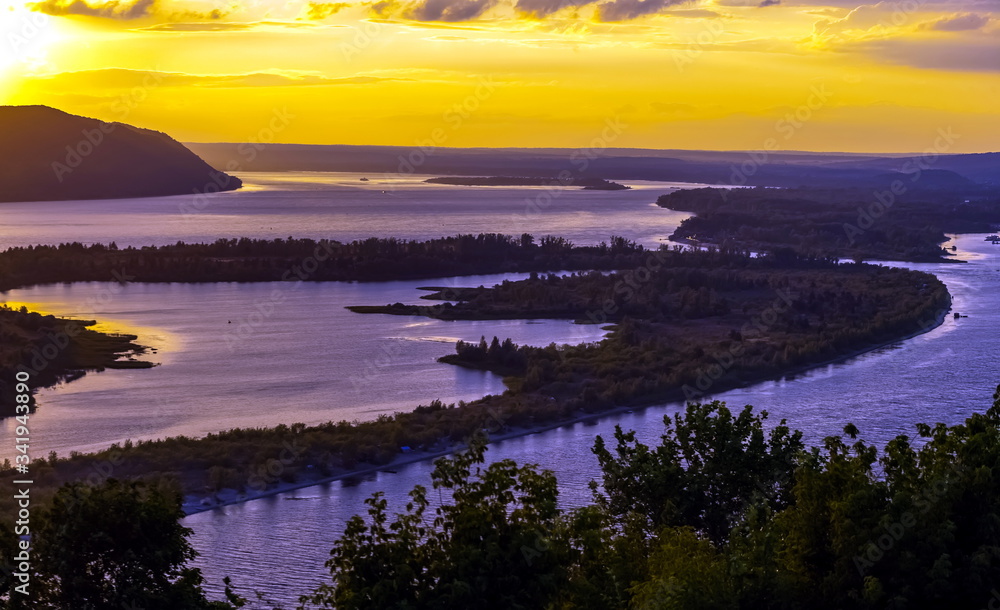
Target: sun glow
26, 37
712, 74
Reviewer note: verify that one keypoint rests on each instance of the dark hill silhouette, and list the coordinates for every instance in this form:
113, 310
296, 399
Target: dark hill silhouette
983, 168
47, 154
929, 179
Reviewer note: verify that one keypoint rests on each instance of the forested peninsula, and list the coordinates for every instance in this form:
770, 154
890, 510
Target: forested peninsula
55, 350
901, 222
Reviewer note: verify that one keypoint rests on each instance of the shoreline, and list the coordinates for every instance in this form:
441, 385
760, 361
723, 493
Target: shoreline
228, 497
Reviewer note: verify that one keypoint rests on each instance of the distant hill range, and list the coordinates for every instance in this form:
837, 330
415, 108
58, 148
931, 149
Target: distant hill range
752, 168
47, 154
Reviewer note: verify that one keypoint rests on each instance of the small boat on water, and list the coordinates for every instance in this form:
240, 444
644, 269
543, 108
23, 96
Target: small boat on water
993, 238
363, 179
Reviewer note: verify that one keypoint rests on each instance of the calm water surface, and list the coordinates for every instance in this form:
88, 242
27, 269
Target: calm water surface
339, 206
261, 354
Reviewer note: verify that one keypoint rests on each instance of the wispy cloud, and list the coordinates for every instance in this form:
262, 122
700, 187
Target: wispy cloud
624, 10
543, 8
448, 10
694, 13
959, 23
231, 26
108, 10
189, 15
883, 33
964, 53
322, 10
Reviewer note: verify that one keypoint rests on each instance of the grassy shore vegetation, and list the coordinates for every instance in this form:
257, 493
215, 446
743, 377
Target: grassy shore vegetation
54, 350
728, 511
899, 223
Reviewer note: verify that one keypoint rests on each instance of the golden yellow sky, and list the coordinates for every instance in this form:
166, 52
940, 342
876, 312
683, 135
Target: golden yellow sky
827, 75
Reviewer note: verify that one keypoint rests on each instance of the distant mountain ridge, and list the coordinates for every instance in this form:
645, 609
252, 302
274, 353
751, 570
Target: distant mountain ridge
47, 154
751, 168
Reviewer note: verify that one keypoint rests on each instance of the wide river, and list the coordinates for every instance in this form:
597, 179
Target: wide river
340, 206
311, 360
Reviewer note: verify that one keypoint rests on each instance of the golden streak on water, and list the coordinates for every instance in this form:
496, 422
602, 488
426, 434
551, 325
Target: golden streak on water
152, 337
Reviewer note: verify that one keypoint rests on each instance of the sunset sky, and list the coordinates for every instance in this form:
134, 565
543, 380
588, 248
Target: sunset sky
709, 74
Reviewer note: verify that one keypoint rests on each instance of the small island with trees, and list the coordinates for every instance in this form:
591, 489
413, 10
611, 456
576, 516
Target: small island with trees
588, 183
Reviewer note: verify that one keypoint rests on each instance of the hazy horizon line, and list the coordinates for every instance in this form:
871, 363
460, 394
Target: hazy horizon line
610, 148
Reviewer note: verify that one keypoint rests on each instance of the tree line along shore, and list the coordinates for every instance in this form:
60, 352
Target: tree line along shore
905, 221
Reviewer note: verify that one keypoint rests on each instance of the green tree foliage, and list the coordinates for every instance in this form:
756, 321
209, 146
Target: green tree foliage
709, 468
506, 357
915, 528
496, 542
117, 545
727, 512
687, 572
